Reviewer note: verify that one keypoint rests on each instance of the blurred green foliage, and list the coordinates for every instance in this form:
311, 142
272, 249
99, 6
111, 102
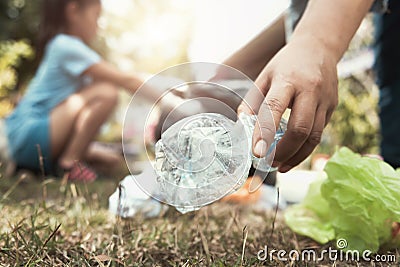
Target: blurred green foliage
11, 55
19, 20
355, 122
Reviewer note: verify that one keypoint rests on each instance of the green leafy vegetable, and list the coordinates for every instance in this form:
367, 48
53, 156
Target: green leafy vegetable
358, 201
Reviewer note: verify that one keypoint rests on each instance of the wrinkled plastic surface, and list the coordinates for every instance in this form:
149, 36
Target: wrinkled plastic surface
206, 156
358, 202
129, 199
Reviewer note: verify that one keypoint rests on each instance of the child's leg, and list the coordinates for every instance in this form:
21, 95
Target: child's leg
75, 122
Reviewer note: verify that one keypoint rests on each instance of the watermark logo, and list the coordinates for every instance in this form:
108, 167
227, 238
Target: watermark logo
341, 243
330, 254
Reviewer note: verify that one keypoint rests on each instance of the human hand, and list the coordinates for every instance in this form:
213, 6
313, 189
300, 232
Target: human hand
303, 77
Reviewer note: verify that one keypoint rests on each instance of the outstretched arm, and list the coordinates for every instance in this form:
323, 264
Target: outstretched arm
302, 76
104, 71
253, 57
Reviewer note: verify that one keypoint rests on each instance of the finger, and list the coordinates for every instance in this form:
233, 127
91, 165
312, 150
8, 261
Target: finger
313, 140
255, 96
269, 116
299, 127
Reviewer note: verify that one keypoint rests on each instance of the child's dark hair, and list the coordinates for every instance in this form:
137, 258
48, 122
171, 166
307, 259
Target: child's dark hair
53, 20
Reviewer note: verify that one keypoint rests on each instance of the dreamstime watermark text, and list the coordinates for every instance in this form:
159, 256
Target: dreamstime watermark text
311, 255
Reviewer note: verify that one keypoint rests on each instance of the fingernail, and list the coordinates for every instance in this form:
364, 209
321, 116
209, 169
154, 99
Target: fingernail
285, 168
261, 148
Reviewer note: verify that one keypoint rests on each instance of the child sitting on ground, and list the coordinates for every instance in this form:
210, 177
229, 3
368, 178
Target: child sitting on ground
71, 96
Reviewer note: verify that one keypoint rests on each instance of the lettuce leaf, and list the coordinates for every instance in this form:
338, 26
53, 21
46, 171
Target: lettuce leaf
312, 217
358, 202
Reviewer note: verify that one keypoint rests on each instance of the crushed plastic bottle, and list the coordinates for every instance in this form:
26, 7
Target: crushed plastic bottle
206, 156
130, 198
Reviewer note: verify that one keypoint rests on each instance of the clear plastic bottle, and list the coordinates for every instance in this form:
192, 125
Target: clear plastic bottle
206, 156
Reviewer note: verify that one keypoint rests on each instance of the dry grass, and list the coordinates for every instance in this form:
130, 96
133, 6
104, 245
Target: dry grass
53, 224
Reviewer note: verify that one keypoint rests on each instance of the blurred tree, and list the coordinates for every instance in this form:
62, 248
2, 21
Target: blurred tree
355, 122
12, 53
19, 20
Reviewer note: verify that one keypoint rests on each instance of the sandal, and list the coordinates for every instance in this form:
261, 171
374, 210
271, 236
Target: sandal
80, 172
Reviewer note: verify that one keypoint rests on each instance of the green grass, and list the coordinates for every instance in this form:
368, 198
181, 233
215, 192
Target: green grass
48, 223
